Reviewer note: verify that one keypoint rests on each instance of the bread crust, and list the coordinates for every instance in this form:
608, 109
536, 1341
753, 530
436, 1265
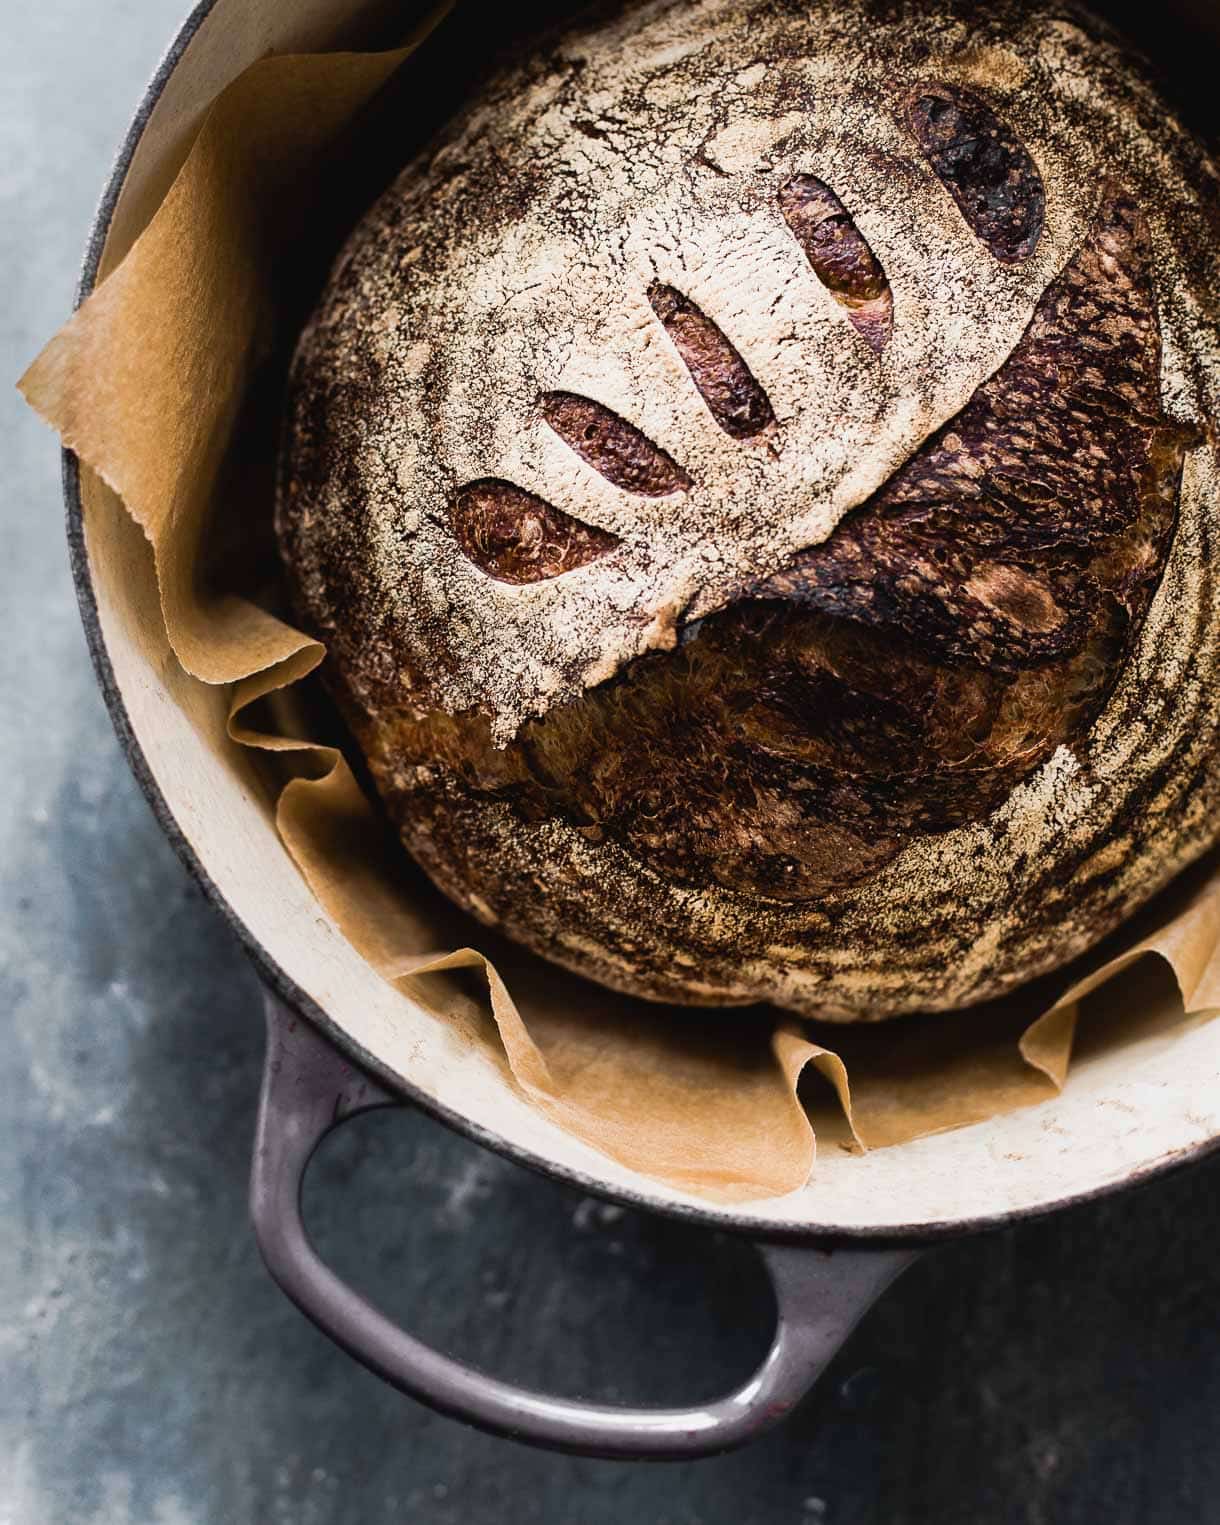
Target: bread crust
764, 553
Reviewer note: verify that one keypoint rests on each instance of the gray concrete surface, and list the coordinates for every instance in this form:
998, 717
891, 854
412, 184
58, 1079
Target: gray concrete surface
150, 1375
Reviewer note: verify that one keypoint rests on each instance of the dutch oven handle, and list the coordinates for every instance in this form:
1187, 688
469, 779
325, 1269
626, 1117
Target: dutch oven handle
308, 1088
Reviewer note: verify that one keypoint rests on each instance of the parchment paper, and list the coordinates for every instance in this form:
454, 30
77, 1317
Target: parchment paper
165, 382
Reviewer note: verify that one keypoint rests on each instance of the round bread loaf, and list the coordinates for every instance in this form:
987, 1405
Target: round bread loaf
756, 476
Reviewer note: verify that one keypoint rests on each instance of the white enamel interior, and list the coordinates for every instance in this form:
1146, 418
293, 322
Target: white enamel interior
1121, 1115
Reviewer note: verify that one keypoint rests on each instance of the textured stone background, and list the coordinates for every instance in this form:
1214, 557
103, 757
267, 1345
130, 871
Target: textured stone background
1066, 1372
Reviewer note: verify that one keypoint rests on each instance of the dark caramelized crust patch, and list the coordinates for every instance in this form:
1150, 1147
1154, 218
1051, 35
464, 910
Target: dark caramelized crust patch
985, 168
734, 398
517, 537
612, 446
1047, 504
905, 675
840, 256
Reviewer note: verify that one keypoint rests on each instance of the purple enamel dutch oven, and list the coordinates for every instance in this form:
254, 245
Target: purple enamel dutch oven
340, 1040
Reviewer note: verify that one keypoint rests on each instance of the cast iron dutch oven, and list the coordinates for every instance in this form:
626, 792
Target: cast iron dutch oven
337, 1033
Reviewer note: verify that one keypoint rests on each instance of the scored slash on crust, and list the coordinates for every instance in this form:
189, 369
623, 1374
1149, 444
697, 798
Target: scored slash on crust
618, 450
840, 257
985, 168
734, 397
515, 536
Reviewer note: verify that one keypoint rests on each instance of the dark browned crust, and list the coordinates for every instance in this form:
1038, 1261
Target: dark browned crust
1043, 511
984, 166
734, 398
840, 256
517, 537
612, 446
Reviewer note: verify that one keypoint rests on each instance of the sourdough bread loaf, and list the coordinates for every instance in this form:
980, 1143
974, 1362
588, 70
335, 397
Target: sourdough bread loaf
756, 476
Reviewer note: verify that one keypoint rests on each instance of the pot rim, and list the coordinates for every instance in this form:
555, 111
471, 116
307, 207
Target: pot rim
717, 1218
